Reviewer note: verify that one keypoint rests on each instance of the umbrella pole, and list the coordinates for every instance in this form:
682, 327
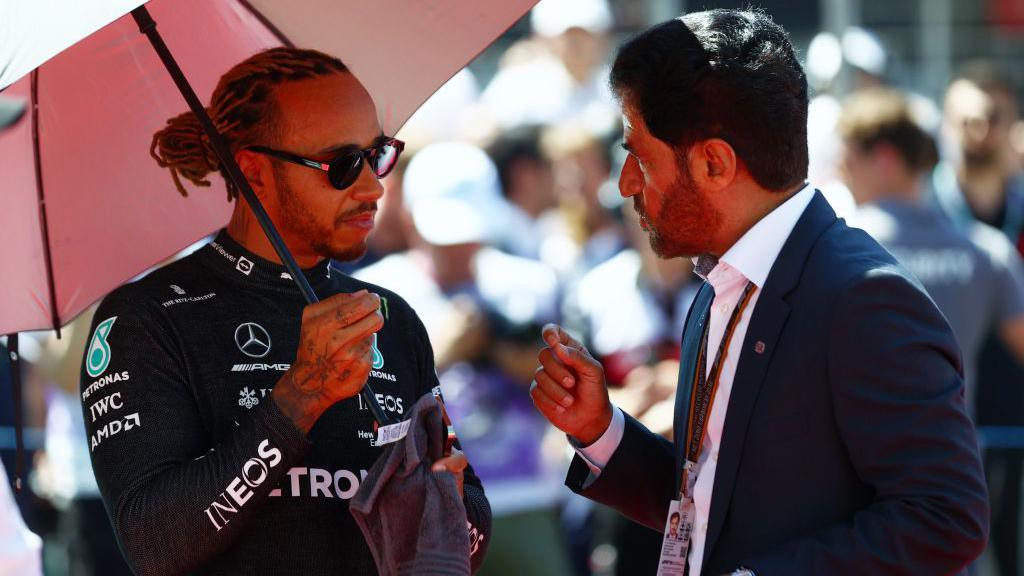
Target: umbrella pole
227, 163
19, 462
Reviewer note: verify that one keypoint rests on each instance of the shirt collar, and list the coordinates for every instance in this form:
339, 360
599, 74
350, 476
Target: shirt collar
232, 259
754, 254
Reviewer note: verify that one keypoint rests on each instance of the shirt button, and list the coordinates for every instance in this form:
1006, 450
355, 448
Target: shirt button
714, 455
703, 527
724, 309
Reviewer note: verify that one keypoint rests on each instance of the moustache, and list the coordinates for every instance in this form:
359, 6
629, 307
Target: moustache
363, 208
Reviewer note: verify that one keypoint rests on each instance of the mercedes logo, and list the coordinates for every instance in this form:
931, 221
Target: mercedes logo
252, 340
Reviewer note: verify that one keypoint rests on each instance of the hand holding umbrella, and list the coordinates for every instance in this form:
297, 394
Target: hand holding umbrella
334, 356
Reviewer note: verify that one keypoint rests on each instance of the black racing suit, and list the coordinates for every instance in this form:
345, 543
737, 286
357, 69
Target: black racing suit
199, 469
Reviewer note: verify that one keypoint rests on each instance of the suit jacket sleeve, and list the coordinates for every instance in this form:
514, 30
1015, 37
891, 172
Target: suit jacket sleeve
639, 479
897, 394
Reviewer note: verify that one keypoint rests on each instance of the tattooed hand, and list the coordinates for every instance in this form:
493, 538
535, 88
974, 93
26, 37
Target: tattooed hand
334, 356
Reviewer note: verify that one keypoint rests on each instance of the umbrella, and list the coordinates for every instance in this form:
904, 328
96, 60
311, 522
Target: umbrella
84, 206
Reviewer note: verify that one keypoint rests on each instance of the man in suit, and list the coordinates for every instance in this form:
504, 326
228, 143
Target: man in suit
820, 420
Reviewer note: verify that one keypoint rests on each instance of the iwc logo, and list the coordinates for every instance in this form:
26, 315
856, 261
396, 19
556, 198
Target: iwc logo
98, 358
252, 339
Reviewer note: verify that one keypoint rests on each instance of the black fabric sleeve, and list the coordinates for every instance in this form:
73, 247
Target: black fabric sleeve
478, 509
638, 479
897, 393
174, 500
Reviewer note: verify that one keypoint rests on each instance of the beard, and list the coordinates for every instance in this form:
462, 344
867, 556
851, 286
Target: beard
687, 221
981, 159
299, 221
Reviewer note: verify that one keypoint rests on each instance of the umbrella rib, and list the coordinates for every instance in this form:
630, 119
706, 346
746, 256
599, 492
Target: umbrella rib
266, 22
43, 224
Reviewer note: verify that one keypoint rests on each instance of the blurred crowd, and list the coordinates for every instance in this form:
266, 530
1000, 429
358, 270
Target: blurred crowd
505, 215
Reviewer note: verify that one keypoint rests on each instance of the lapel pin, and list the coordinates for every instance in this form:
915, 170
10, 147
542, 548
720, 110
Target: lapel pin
759, 347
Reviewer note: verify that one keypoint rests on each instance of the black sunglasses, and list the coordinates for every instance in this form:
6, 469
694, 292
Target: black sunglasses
344, 169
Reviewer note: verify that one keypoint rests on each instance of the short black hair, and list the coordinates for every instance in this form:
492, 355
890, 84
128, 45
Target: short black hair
516, 145
730, 74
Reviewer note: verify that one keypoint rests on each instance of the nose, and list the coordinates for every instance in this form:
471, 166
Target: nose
367, 188
631, 180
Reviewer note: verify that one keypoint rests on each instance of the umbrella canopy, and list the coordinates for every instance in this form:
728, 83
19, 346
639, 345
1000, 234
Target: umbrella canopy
85, 208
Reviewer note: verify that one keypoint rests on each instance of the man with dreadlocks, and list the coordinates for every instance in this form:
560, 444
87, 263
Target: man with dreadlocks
223, 414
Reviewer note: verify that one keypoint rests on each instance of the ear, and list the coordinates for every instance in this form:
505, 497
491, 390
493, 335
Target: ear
713, 164
257, 170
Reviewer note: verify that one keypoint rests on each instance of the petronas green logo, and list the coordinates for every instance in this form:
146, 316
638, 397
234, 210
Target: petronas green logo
98, 357
378, 358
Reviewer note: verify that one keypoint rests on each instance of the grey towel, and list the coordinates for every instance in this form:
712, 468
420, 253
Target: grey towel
413, 519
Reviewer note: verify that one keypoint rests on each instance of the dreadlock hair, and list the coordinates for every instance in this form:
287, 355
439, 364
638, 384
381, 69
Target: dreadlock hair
242, 109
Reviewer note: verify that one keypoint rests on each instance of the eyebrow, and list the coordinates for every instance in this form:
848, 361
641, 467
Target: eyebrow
349, 146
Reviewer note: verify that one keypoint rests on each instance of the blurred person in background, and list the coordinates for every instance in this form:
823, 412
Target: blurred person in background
980, 180
975, 277
567, 55
528, 183
483, 309
592, 225
21, 549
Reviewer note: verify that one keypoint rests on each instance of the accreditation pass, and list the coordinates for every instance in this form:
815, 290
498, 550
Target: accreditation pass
676, 542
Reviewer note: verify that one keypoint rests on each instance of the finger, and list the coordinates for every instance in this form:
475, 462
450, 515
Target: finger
548, 407
360, 351
556, 368
350, 311
579, 360
345, 337
550, 334
455, 463
554, 334
552, 389
328, 304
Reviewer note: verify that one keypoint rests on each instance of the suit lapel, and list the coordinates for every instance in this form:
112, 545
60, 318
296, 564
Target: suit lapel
695, 321
766, 325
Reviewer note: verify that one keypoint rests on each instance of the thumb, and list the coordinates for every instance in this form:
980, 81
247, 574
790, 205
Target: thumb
550, 333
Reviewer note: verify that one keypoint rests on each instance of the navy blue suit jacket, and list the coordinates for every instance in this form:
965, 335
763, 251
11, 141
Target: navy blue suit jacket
846, 447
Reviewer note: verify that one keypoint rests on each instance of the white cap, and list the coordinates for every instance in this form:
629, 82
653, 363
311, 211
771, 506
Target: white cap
552, 17
453, 193
864, 50
824, 58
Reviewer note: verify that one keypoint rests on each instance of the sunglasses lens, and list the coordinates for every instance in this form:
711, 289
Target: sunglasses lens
345, 170
384, 159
